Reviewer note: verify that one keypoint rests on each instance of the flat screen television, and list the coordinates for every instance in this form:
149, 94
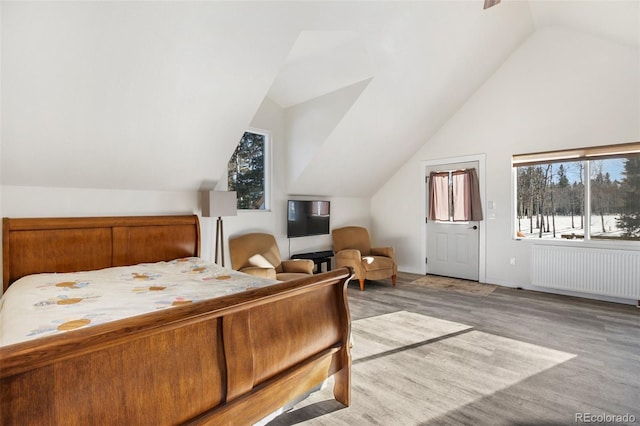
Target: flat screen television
307, 217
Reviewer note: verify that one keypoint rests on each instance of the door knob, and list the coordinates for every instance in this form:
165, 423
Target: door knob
474, 227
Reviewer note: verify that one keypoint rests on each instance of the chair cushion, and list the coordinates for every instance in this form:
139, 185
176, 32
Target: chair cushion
259, 261
258, 254
243, 248
375, 263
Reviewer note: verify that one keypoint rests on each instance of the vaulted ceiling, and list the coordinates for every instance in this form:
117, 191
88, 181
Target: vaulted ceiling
155, 95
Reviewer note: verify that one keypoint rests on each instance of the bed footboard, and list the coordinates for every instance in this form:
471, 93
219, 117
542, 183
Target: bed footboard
230, 360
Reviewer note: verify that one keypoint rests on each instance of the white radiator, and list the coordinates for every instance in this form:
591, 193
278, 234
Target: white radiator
606, 272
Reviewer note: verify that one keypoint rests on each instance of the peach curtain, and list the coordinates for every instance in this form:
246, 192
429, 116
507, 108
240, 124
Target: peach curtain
465, 202
439, 196
461, 197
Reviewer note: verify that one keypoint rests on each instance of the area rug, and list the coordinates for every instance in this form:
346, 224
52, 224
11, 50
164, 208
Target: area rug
436, 282
410, 369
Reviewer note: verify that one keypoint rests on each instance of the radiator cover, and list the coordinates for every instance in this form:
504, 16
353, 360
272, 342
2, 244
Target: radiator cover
607, 272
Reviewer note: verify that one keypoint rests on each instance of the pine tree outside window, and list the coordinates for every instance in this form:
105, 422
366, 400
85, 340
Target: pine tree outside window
248, 171
580, 194
629, 220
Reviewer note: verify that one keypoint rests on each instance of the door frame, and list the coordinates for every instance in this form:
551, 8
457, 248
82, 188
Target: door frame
481, 159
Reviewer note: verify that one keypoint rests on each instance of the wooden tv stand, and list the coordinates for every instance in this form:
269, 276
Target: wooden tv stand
318, 257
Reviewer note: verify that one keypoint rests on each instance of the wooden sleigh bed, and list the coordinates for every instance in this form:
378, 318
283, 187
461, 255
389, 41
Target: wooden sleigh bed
229, 360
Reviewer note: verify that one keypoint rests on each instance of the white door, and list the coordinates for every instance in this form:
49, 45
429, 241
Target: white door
453, 247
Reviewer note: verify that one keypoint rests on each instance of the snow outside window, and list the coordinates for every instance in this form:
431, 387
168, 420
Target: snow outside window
590, 193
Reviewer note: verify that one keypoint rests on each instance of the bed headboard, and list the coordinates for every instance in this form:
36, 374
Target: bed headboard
35, 245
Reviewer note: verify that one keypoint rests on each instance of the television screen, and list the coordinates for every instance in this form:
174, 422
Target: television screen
307, 217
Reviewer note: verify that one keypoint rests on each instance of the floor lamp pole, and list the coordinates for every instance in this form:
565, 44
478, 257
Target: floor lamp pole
219, 240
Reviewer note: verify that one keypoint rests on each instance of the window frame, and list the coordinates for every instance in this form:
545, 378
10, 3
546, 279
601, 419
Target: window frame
587, 156
267, 169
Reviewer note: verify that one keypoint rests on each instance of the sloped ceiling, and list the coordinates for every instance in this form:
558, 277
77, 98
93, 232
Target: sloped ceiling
155, 95
618, 21
320, 62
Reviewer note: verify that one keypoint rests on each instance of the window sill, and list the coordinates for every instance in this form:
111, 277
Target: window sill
593, 243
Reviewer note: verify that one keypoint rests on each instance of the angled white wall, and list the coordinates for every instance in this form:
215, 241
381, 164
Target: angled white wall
309, 124
560, 89
132, 95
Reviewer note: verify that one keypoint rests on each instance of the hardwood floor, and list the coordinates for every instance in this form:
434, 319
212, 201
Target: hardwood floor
603, 378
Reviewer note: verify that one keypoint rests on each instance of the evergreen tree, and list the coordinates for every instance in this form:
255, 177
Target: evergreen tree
246, 171
629, 220
563, 180
563, 188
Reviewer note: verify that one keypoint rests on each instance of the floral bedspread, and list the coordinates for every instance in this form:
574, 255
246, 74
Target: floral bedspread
45, 304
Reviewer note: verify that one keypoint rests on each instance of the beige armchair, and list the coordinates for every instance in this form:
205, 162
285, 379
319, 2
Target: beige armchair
352, 247
258, 254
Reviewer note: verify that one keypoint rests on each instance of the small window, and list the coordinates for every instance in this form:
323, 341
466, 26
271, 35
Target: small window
248, 171
590, 193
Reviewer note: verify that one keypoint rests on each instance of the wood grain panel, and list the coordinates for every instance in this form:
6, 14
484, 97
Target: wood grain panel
164, 378
58, 251
293, 334
140, 244
250, 408
236, 334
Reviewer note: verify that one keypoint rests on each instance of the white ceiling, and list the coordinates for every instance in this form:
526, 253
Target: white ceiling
155, 95
617, 21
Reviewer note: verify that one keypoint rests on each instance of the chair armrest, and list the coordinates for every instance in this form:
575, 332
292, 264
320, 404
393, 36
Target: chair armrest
349, 254
303, 266
260, 272
351, 258
382, 251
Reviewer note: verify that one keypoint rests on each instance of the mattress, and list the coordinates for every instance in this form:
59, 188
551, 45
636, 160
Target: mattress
47, 304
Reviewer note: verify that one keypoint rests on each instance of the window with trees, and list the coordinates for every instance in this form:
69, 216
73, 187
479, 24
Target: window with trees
247, 171
590, 193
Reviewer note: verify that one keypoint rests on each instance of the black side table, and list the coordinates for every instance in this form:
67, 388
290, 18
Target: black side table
318, 257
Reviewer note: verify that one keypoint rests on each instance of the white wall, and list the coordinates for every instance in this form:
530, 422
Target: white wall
560, 89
